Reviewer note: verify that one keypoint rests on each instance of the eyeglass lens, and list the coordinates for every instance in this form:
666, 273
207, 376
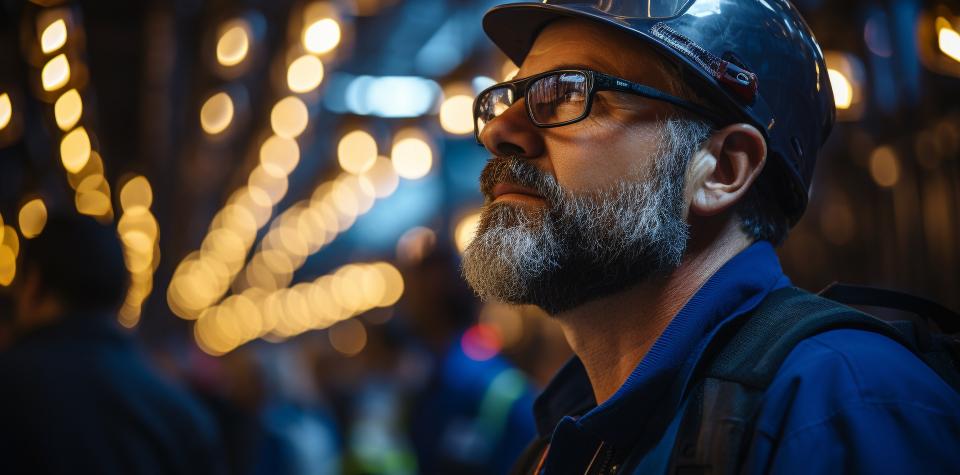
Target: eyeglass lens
552, 99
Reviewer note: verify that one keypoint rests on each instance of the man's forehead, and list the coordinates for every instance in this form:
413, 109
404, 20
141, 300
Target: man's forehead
574, 42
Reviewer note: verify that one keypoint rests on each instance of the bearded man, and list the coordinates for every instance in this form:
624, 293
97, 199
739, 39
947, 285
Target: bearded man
644, 165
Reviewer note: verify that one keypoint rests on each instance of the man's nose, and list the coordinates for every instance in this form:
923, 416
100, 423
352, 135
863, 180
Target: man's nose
513, 134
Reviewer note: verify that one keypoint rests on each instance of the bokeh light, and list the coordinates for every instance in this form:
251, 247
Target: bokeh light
305, 74
54, 36
456, 114
216, 113
6, 110
357, 152
412, 156
75, 150
68, 109
279, 156
466, 230
32, 218
948, 39
289, 117
842, 89
55, 73
233, 43
348, 337
136, 192
321, 36
885, 166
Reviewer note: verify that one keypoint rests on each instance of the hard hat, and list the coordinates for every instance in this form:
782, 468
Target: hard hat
755, 58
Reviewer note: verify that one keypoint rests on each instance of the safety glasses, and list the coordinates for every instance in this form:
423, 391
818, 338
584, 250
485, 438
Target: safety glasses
564, 96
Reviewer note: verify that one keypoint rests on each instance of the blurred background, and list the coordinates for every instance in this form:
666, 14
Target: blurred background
293, 182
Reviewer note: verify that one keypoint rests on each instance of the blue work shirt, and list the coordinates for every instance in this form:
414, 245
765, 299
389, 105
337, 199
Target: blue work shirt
844, 401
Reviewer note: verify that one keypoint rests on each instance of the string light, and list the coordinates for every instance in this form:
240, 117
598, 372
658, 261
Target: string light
305, 74
357, 152
466, 230
321, 36
54, 36
279, 156
411, 155
216, 113
289, 117
9, 249
329, 301
32, 218
842, 89
68, 109
456, 114
83, 165
75, 150
6, 110
234, 43
55, 73
948, 39
885, 166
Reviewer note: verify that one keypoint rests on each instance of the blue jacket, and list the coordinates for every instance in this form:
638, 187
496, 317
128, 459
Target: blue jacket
845, 401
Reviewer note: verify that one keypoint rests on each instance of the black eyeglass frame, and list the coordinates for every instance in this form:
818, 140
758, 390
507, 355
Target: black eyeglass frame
596, 81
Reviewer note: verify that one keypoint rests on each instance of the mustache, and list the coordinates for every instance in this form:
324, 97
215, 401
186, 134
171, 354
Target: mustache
517, 171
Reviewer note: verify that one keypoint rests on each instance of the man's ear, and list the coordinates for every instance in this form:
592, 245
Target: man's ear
721, 174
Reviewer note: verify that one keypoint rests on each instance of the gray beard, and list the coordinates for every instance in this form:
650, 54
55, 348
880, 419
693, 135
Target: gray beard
582, 246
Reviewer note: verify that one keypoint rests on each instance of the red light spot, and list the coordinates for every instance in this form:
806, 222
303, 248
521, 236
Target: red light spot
481, 342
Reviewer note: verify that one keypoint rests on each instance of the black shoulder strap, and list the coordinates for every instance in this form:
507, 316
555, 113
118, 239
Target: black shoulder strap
740, 363
787, 316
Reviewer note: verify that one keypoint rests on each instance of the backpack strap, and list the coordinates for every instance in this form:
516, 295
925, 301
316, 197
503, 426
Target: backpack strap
739, 364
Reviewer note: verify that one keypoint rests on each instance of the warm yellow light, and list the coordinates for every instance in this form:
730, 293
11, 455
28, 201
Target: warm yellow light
8, 266
54, 36
842, 89
412, 157
93, 203
135, 193
321, 36
279, 156
393, 283
93, 167
216, 113
55, 73
75, 150
304, 74
456, 115
348, 337
33, 217
275, 187
137, 241
68, 109
382, 177
10, 240
234, 43
289, 117
949, 41
6, 110
466, 230
357, 152
884, 166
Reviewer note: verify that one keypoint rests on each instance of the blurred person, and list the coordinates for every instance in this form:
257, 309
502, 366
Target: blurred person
645, 163
472, 415
78, 396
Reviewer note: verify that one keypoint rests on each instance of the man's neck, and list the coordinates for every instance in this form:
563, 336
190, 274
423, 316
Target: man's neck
611, 335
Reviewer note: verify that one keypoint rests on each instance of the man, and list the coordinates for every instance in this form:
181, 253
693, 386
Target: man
645, 163
78, 397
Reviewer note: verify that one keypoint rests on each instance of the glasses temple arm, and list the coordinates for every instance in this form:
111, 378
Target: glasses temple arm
604, 82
